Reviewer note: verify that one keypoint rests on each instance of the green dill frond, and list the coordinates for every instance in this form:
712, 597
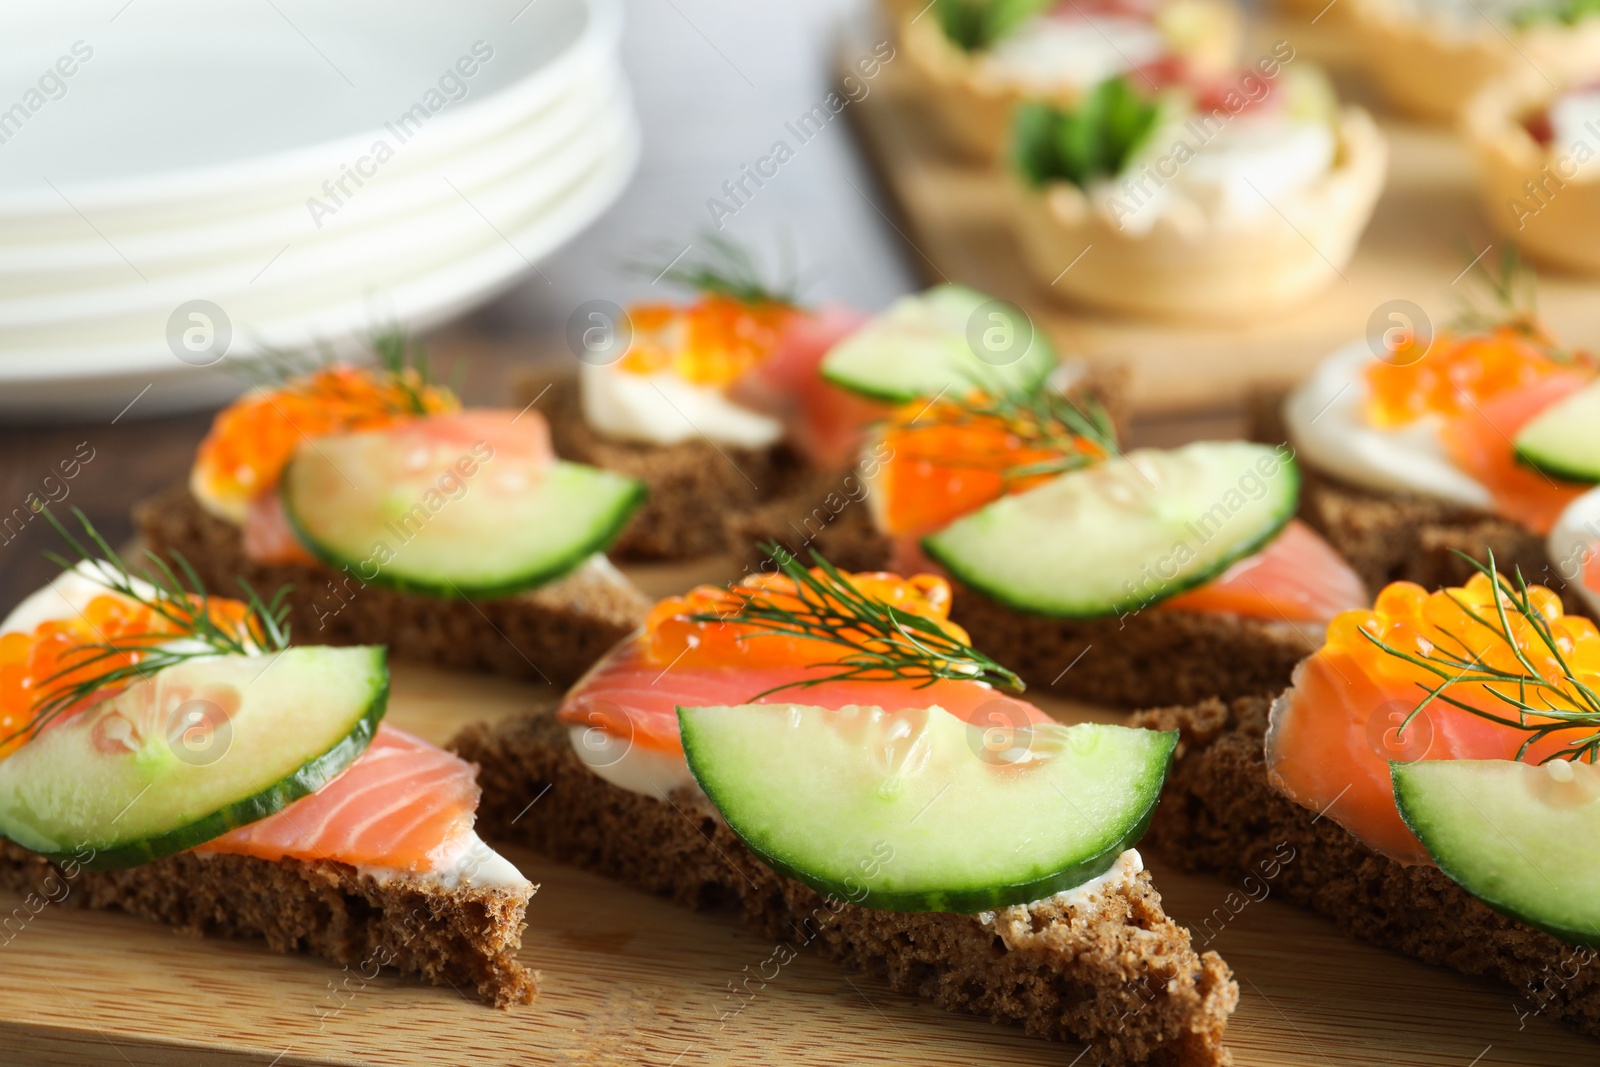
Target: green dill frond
1537, 705
174, 595
716, 266
876, 641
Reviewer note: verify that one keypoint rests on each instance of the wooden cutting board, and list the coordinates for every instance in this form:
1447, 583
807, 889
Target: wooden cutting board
1429, 224
630, 979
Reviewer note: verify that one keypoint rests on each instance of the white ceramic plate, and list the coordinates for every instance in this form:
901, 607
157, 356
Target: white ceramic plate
193, 132
421, 302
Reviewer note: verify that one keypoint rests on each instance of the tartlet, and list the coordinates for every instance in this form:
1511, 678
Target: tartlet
974, 95
1431, 58
1537, 186
1195, 262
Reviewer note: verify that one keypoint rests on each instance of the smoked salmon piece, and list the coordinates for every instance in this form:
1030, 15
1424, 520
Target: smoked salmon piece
403, 804
1479, 441
827, 424
1297, 577
698, 650
633, 698
1334, 731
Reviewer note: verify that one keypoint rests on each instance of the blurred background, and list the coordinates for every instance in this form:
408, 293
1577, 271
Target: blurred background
189, 189
711, 83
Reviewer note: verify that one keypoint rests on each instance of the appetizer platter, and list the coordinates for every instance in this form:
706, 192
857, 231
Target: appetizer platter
775, 677
627, 977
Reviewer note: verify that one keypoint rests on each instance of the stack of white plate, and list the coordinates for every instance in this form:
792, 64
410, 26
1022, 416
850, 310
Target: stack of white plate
183, 180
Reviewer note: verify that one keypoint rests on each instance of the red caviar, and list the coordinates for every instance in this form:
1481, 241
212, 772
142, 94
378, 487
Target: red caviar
672, 637
1457, 372
945, 459
30, 662
253, 438
714, 341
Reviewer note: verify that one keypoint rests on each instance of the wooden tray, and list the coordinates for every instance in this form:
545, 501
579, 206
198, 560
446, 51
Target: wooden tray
1428, 225
630, 979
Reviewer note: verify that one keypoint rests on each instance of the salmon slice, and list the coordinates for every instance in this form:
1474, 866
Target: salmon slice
525, 436
267, 535
629, 696
1335, 730
1479, 441
1298, 577
826, 423
404, 804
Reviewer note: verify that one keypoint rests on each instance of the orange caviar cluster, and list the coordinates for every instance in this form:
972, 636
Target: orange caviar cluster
56, 653
1455, 373
253, 439
713, 341
672, 636
942, 461
1410, 619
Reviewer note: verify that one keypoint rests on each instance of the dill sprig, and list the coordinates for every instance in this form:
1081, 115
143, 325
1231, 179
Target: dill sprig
725, 268
876, 640
1542, 707
182, 602
1040, 419
401, 357
1512, 292
405, 360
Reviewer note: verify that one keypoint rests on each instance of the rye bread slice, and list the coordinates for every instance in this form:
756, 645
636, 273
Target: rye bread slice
466, 937
1122, 977
698, 490
690, 484
552, 633
1219, 813
1143, 659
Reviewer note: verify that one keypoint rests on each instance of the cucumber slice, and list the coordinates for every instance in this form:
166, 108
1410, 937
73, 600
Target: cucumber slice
918, 810
1523, 839
127, 781
1563, 440
946, 337
1120, 536
455, 506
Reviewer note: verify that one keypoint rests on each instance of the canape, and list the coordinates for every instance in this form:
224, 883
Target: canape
1420, 445
396, 517
975, 62
741, 398
1118, 578
1535, 148
1215, 201
712, 403
1428, 781
166, 754
1430, 57
827, 752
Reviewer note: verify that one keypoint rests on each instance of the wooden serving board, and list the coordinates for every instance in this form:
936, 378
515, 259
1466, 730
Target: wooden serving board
956, 217
630, 979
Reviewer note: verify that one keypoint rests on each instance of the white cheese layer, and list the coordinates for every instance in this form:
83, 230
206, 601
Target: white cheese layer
1573, 542
1051, 53
628, 766
1218, 171
1575, 133
64, 598
664, 409
1080, 898
1327, 423
472, 864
